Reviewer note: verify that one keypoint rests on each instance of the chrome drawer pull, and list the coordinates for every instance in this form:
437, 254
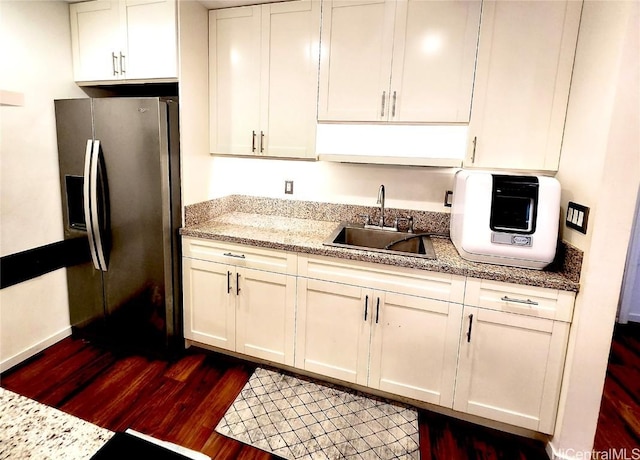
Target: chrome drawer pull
237, 256
526, 302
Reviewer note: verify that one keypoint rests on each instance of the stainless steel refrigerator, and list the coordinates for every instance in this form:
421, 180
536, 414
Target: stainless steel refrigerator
120, 182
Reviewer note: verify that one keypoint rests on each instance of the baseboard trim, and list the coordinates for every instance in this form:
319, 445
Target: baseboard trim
16, 359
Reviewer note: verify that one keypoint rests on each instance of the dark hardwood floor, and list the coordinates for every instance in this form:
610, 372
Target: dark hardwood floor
183, 401
619, 421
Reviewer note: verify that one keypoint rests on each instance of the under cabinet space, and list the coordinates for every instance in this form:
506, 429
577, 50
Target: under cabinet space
263, 79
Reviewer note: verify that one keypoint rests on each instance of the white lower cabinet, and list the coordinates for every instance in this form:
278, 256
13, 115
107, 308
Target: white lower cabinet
237, 308
512, 356
491, 349
399, 343
414, 347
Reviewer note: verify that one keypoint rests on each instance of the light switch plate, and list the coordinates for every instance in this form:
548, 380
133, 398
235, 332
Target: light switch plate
577, 217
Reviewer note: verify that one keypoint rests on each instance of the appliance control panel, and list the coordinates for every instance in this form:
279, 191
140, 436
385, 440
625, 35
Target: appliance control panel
509, 238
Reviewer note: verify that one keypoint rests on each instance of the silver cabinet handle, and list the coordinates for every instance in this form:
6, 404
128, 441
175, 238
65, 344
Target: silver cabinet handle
393, 106
526, 302
384, 98
237, 256
366, 306
237, 283
473, 155
122, 67
253, 141
470, 326
114, 64
261, 141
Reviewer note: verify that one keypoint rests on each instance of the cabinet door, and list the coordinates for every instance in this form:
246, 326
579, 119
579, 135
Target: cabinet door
265, 315
234, 80
150, 27
332, 329
96, 40
510, 368
525, 60
434, 52
209, 313
414, 347
289, 78
355, 63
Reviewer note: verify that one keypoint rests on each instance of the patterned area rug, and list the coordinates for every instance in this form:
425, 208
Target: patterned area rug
299, 419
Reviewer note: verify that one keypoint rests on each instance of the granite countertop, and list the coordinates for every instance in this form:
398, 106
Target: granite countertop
29, 429
303, 235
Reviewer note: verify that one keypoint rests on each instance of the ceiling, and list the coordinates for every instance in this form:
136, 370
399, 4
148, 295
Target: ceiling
216, 4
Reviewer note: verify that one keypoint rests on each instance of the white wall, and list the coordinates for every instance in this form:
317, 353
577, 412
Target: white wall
36, 55
408, 187
599, 167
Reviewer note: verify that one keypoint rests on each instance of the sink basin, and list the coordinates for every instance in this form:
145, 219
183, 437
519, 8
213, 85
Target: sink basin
352, 236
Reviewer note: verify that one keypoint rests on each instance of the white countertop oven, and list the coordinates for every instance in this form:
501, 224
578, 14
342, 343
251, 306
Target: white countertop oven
505, 219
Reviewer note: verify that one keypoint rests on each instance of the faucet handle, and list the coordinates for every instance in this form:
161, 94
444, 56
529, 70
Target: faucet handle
366, 217
408, 219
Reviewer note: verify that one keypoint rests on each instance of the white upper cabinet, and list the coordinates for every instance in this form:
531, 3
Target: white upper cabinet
397, 61
234, 88
124, 40
151, 39
263, 65
96, 40
525, 60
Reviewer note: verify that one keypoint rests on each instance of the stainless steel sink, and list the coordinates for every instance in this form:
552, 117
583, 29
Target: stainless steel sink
352, 236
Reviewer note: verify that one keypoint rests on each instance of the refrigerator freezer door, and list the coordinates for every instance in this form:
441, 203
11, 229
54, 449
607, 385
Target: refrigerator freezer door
134, 144
74, 128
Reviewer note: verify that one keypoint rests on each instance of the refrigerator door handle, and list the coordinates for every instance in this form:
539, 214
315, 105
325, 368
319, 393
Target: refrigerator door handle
90, 204
95, 221
87, 202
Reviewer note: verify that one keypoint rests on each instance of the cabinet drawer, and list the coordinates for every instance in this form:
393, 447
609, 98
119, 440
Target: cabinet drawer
525, 300
239, 255
439, 286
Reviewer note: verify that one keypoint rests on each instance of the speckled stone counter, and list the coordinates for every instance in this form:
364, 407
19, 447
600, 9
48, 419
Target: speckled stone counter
29, 429
259, 222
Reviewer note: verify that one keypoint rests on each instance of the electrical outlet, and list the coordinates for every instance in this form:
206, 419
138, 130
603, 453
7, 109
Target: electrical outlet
288, 187
448, 196
577, 217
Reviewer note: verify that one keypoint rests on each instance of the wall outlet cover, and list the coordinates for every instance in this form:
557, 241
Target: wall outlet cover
288, 187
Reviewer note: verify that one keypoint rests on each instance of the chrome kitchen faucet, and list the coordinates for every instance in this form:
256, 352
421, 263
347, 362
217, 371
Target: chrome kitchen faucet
381, 203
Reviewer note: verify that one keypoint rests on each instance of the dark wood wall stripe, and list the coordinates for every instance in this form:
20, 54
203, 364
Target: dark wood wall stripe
25, 265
